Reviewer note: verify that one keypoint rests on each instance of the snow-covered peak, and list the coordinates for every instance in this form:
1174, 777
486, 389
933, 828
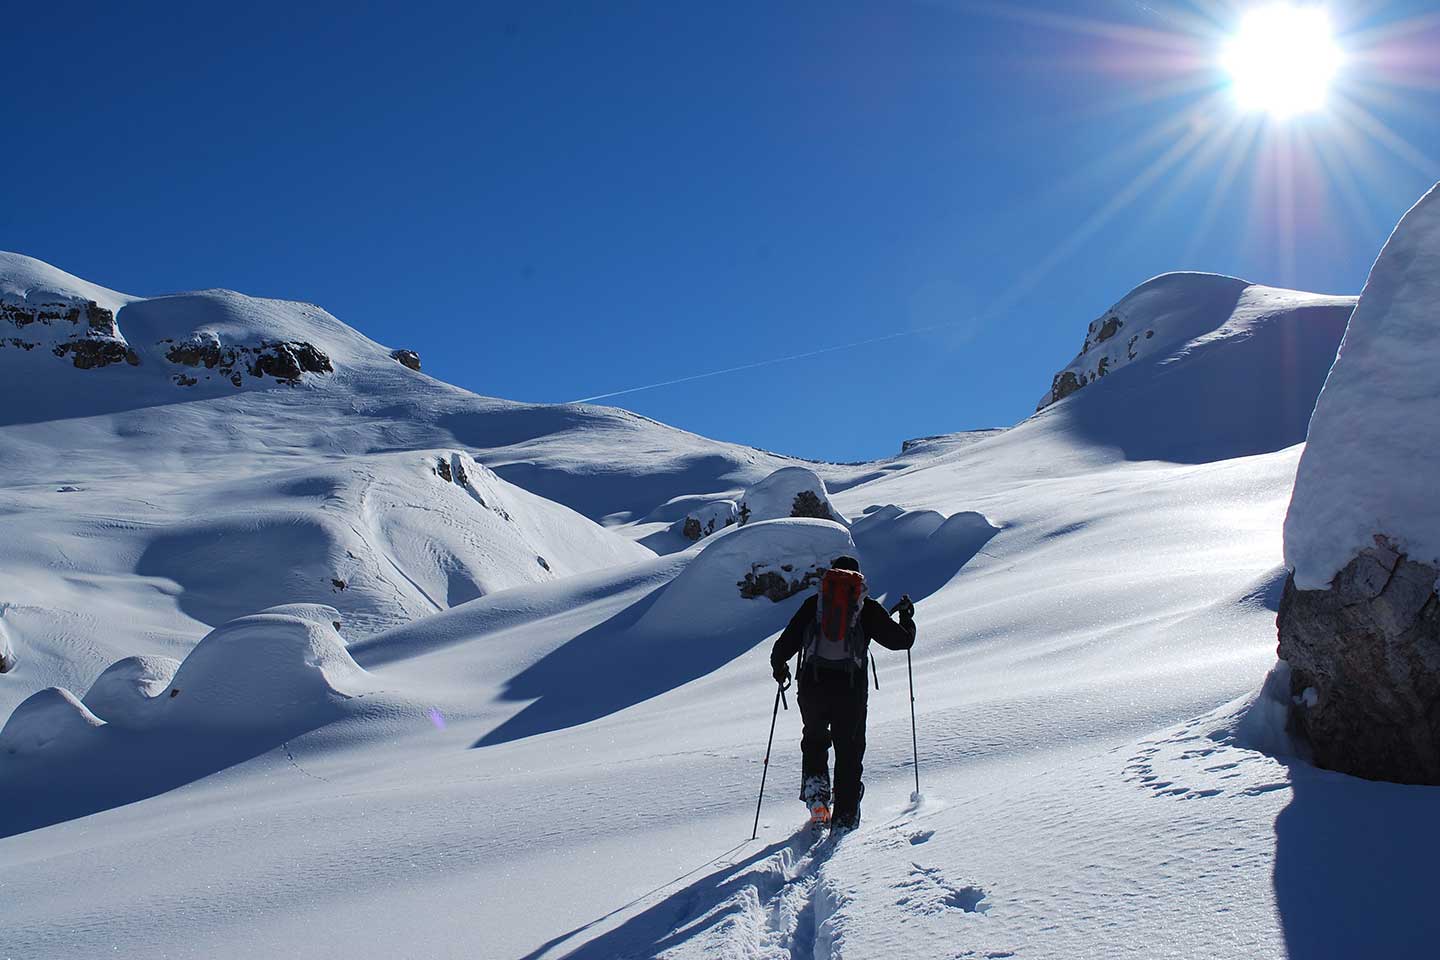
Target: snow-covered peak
1158, 313
1370, 462
229, 318
24, 278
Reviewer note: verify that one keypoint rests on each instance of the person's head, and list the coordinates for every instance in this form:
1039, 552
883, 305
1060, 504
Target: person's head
845, 563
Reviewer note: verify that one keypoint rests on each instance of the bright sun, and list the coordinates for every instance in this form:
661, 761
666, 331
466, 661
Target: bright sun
1282, 59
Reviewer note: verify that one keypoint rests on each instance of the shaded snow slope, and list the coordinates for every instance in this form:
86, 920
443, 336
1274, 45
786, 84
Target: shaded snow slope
1370, 465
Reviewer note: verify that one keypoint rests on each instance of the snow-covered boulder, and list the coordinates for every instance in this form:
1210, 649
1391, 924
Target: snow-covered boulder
1359, 621
707, 519
127, 692
1158, 313
265, 670
788, 492
747, 567
50, 721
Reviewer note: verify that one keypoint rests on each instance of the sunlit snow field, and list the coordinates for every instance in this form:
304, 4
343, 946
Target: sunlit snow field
495, 756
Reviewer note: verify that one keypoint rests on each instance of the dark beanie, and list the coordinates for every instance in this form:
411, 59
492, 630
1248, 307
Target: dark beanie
845, 563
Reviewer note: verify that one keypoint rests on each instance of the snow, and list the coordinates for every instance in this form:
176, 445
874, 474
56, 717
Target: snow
491, 757
126, 693
48, 724
1370, 461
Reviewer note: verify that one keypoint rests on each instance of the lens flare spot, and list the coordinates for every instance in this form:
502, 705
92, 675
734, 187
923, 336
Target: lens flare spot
1283, 59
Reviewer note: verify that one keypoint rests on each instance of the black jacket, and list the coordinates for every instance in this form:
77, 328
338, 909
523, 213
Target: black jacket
874, 622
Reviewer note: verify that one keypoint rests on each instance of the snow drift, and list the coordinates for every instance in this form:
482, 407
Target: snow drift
128, 692
49, 724
270, 669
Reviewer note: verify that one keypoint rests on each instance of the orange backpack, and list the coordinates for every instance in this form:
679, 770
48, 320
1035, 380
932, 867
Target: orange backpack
836, 636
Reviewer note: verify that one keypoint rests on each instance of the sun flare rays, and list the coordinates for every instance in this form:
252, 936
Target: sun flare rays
1296, 108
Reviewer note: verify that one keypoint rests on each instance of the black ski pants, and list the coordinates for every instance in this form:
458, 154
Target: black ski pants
832, 709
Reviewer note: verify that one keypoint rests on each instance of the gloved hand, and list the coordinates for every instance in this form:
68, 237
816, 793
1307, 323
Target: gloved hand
906, 609
781, 673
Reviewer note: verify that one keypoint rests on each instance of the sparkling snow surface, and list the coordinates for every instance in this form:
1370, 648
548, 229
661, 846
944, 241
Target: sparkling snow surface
505, 763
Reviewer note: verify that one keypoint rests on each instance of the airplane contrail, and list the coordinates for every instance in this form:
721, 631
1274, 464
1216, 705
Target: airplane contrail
771, 362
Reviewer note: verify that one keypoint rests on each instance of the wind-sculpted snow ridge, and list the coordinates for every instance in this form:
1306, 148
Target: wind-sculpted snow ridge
148, 724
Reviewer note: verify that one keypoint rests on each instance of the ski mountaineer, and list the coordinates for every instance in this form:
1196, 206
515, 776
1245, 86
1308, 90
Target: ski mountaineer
832, 632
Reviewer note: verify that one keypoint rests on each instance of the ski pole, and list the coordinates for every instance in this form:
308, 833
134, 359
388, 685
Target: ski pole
779, 698
914, 741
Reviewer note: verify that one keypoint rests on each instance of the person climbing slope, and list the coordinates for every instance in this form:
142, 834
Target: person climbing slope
831, 633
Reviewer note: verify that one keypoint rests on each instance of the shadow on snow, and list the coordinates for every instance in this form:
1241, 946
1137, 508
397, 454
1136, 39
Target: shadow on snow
681, 916
613, 665
1355, 866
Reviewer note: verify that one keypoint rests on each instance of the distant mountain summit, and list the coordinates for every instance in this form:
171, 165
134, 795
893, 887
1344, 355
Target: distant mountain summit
1165, 313
212, 338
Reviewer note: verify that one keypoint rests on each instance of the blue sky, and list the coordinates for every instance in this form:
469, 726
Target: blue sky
556, 200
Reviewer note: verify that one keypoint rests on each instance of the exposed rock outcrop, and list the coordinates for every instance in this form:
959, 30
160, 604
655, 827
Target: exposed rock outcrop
1364, 661
778, 583
407, 358
706, 520
89, 353
284, 360
807, 503
81, 330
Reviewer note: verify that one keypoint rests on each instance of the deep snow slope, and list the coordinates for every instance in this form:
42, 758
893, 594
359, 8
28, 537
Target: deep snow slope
567, 766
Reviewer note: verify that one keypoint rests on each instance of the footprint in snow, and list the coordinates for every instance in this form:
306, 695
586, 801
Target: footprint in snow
927, 891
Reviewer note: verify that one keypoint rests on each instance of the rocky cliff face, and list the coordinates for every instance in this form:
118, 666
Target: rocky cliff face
67, 327
88, 336
1364, 661
285, 361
